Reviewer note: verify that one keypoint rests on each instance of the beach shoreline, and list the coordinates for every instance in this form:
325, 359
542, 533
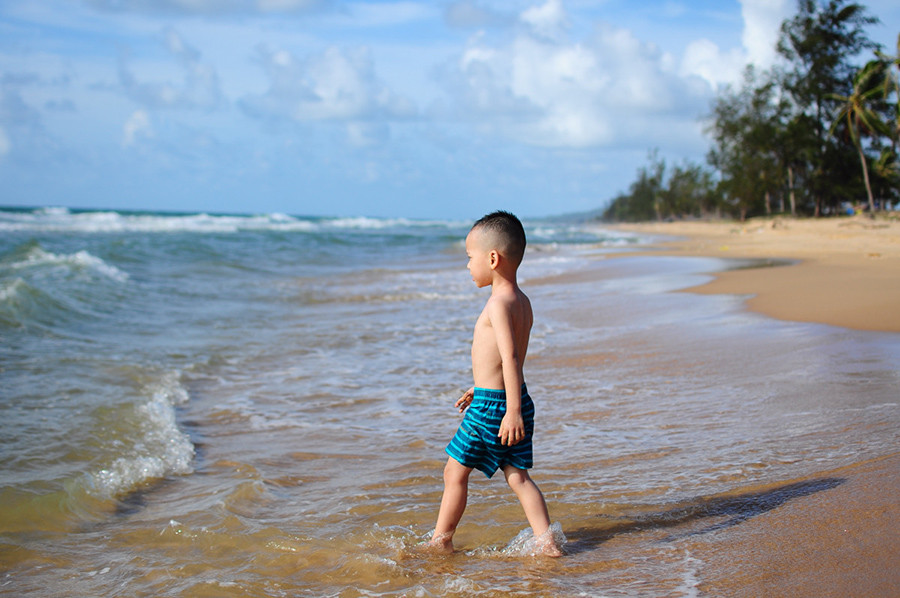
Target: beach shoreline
841, 272
191, 406
845, 271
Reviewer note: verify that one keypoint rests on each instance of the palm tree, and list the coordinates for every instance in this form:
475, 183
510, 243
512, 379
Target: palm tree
887, 166
857, 110
892, 86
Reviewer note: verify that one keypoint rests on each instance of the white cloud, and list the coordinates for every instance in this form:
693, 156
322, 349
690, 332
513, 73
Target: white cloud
336, 85
199, 88
762, 24
559, 93
548, 20
565, 83
704, 59
137, 126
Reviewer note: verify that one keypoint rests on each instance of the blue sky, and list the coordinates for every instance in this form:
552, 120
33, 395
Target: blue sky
440, 109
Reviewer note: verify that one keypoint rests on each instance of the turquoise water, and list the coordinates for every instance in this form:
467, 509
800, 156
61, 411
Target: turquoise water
190, 403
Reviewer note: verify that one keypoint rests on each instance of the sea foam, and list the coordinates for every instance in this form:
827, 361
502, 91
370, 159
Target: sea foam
81, 261
9, 290
159, 447
60, 220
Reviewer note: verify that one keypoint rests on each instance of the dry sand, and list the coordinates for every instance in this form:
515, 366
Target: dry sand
847, 271
843, 541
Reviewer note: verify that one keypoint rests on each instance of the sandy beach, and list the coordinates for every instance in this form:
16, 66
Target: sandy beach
840, 271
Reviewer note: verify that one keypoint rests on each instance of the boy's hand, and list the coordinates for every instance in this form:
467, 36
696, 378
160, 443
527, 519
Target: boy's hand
465, 400
512, 429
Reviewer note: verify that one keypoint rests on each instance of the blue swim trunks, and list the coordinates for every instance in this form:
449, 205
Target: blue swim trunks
476, 443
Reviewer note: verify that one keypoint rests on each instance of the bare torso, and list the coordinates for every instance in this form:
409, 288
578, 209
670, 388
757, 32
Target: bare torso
487, 366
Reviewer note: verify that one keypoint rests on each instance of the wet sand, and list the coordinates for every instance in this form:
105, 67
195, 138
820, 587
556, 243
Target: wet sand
841, 541
847, 270
842, 537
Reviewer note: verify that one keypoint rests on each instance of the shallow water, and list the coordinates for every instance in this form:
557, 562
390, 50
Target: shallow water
258, 407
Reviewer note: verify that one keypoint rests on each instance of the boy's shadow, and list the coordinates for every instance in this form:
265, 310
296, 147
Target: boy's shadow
737, 509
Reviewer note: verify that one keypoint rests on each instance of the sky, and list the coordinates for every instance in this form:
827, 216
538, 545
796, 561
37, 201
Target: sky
441, 109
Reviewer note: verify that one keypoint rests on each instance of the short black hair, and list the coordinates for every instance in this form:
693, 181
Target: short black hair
509, 230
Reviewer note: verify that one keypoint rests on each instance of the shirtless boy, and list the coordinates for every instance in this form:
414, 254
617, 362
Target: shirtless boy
496, 430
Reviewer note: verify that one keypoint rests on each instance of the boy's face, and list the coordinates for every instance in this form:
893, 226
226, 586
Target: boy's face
479, 258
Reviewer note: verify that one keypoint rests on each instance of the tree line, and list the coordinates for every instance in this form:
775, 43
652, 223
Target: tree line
815, 135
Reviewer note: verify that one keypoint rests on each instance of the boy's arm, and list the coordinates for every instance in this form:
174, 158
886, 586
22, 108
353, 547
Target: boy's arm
512, 427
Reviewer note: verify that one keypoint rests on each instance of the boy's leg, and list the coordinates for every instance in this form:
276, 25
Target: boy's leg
534, 506
531, 498
453, 503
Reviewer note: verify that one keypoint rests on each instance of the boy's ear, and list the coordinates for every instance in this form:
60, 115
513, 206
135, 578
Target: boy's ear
495, 258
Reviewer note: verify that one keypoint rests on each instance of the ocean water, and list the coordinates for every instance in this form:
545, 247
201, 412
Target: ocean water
215, 405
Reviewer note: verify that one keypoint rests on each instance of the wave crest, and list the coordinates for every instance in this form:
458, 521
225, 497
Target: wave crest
33, 255
158, 446
64, 220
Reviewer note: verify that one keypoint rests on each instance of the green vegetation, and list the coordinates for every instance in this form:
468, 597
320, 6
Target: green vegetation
807, 137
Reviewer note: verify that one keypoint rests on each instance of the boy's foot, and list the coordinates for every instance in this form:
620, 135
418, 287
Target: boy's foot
545, 545
442, 544
551, 550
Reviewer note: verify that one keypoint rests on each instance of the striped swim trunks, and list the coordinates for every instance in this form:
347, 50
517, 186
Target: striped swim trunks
476, 443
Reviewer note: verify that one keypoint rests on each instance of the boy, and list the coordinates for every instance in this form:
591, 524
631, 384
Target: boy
496, 430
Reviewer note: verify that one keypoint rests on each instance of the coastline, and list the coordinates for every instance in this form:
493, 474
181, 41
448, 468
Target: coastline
846, 271
842, 272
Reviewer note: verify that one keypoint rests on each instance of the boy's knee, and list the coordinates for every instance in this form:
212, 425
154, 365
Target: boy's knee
517, 477
456, 473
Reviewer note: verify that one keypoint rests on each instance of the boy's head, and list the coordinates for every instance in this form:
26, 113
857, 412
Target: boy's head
504, 232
